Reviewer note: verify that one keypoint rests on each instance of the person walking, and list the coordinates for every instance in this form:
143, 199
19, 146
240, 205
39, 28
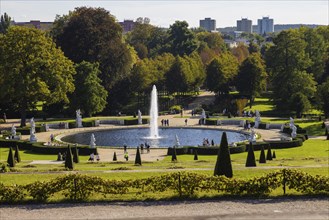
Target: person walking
186, 122
126, 156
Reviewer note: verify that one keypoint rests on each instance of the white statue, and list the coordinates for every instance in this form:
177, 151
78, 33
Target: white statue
177, 141
282, 127
33, 138
253, 135
78, 120
203, 117
13, 130
139, 117
294, 131
92, 141
257, 119
291, 124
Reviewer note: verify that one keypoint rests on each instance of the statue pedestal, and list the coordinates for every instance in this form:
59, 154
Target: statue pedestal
33, 138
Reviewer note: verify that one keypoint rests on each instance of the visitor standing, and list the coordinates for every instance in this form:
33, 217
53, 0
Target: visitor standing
167, 122
148, 148
97, 157
91, 157
142, 148
124, 148
186, 122
162, 122
51, 137
4, 118
126, 156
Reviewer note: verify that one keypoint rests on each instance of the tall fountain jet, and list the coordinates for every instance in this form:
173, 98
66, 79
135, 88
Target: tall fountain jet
154, 132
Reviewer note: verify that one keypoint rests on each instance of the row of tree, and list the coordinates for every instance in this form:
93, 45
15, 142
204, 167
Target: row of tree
86, 61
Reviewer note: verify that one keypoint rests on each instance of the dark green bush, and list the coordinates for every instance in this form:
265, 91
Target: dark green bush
76, 155
134, 121
115, 157
17, 156
69, 159
11, 160
269, 154
195, 154
262, 126
174, 154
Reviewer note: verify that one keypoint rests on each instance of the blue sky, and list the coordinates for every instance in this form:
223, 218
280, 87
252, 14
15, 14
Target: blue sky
165, 13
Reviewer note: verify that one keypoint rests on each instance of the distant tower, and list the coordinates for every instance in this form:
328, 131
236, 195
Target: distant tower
265, 25
208, 24
244, 25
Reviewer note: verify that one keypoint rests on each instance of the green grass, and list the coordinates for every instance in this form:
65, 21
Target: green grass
261, 104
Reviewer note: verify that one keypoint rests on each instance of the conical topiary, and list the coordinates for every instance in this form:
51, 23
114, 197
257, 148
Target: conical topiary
223, 163
76, 155
174, 155
68, 159
273, 156
115, 156
251, 161
138, 159
11, 160
262, 158
17, 156
269, 153
196, 154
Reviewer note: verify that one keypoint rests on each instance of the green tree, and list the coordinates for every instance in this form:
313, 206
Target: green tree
251, 161
32, 70
76, 155
262, 158
182, 39
253, 48
223, 163
138, 159
240, 52
214, 41
69, 160
299, 103
93, 35
322, 97
11, 160
89, 95
251, 79
17, 156
221, 72
4, 23
287, 62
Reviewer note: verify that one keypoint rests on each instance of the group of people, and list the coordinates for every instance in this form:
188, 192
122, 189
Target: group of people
247, 114
94, 157
147, 146
247, 125
206, 143
165, 122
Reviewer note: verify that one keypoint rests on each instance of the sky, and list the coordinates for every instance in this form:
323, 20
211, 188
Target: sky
165, 13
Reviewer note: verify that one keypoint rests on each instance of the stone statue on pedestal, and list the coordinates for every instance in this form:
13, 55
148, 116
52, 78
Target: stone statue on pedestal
78, 120
139, 117
33, 138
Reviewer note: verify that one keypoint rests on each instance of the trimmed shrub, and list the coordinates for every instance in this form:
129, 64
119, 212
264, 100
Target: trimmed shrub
211, 122
115, 156
11, 160
134, 121
195, 154
251, 161
274, 156
223, 163
138, 159
262, 158
269, 154
17, 156
173, 155
262, 126
68, 159
76, 155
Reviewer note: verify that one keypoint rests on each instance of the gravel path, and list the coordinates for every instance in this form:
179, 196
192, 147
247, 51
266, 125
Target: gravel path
282, 208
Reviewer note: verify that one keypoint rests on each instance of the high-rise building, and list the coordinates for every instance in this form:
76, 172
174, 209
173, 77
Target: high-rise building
208, 24
244, 25
265, 25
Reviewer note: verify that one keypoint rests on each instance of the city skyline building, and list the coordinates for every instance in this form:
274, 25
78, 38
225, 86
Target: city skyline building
244, 25
265, 25
208, 24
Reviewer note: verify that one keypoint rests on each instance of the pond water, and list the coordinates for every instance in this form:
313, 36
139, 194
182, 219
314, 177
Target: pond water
136, 136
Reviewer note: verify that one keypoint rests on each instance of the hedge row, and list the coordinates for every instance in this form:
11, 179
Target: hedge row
134, 121
38, 147
205, 150
26, 130
77, 187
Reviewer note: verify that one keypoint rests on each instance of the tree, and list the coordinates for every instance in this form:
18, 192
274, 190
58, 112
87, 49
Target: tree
115, 156
251, 161
138, 159
253, 48
68, 160
89, 95
221, 72
262, 158
195, 154
300, 103
240, 52
251, 79
11, 160
182, 40
76, 155
4, 23
17, 156
93, 35
322, 96
223, 163
32, 70
287, 62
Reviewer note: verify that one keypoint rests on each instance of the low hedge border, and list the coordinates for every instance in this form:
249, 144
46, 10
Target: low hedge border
38, 147
77, 187
204, 150
134, 121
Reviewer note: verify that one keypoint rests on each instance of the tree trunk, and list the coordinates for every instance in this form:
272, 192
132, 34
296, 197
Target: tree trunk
23, 117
